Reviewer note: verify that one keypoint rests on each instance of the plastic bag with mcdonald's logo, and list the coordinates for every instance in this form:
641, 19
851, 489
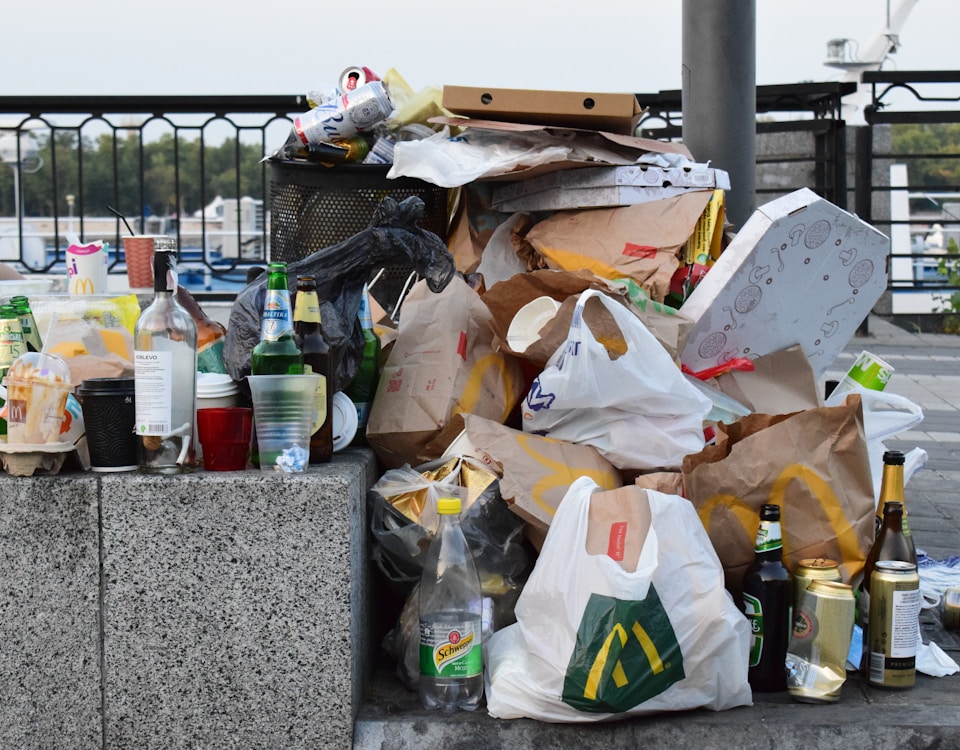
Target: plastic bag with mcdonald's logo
814, 464
625, 614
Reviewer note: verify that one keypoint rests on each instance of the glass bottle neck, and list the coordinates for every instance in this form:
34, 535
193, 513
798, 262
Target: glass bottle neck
891, 485
769, 537
307, 307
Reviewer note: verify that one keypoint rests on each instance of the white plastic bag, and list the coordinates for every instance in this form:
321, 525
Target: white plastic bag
638, 410
593, 641
884, 416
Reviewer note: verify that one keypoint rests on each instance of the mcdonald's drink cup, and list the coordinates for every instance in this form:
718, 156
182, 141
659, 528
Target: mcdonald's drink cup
87, 268
868, 371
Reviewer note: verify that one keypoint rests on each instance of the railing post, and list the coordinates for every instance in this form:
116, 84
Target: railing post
863, 188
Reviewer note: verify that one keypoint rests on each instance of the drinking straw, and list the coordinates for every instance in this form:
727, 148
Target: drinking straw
123, 218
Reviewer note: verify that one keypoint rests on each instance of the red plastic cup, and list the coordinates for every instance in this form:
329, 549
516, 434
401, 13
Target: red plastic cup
225, 437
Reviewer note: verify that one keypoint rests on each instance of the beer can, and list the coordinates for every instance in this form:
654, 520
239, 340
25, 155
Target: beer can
822, 629
812, 569
893, 627
950, 608
354, 112
355, 76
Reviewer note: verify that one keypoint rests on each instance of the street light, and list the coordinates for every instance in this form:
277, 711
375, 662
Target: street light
19, 149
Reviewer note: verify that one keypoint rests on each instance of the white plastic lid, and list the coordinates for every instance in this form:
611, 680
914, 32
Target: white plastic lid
215, 384
345, 420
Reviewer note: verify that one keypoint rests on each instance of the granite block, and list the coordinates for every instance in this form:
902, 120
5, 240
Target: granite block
49, 613
234, 604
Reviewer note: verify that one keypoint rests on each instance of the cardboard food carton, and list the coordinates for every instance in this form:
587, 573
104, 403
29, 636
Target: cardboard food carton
615, 113
800, 271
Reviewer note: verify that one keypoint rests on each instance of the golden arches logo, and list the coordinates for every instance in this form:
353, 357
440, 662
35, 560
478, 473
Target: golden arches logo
618, 675
558, 476
81, 285
746, 515
472, 392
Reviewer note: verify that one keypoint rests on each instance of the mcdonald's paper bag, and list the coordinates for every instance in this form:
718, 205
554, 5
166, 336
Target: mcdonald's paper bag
814, 464
625, 614
441, 364
536, 471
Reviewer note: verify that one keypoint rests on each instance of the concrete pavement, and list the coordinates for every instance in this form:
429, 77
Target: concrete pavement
927, 371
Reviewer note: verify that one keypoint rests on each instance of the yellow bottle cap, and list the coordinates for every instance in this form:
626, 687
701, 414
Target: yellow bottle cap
448, 506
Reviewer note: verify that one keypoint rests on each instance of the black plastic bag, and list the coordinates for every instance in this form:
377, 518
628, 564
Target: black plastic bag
341, 270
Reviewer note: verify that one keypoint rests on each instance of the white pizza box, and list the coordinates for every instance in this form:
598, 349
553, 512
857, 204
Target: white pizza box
800, 271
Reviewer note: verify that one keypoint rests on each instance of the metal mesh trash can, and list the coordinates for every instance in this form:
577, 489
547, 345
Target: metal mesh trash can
313, 207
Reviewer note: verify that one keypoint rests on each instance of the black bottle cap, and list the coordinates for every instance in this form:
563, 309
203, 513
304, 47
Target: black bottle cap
770, 512
895, 458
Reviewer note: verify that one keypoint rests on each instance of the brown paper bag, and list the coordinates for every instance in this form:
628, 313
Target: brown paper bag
780, 383
536, 471
617, 525
639, 242
441, 364
813, 464
507, 297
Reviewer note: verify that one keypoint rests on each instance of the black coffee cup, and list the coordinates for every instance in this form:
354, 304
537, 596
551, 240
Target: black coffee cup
109, 416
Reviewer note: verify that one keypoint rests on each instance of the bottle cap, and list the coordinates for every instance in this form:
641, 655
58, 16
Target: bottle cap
894, 457
448, 506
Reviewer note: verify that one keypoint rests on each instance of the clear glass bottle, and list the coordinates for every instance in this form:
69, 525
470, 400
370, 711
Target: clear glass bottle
768, 604
165, 373
451, 661
317, 358
277, 352
363, 387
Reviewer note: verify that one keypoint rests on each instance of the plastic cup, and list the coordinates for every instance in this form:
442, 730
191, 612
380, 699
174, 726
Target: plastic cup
109, 415
87, 268
868, 371
225, 437
138, 253
283, 409
37, 388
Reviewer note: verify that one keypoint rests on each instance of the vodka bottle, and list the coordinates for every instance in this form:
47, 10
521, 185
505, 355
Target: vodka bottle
165, 374
451, 662
317, 358
767, 602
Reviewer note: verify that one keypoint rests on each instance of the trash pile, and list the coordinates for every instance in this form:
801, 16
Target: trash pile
642, 379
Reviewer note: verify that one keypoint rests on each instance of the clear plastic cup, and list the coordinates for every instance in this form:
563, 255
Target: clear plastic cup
37, 388
283, 408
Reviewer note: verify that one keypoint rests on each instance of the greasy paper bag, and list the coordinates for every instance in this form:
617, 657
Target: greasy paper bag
441, 364
813, 464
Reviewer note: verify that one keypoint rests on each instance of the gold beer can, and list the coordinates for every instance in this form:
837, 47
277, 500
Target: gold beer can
817, 655
894, 624
812, 569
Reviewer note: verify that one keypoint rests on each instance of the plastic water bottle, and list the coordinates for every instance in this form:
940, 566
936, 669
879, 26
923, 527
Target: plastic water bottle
451, 661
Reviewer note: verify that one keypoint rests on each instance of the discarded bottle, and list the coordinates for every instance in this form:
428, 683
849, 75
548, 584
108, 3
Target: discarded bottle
165, 374
31, 334
451, 661
12, 344
317, 358
363, 387
767, 602
892, 490
210, 334
891, 544
277, 352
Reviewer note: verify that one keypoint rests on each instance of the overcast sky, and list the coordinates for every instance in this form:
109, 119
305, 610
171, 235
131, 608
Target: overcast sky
244, 47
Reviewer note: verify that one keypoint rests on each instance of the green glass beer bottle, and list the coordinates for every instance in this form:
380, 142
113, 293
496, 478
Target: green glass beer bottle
277, 352
363, 387
31, 335
318, 359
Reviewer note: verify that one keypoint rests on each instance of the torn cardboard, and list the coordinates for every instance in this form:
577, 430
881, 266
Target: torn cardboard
800, 271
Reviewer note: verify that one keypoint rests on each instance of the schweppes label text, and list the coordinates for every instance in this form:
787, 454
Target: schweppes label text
450, 650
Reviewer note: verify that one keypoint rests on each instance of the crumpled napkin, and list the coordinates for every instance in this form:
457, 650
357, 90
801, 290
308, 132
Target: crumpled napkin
932, 660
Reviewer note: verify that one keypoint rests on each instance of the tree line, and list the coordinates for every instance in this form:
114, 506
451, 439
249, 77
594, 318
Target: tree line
136, 177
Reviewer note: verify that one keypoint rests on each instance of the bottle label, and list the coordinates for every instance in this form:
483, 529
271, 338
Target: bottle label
308, 307
450, 650
276, 315
768, 537
153, 391
319, 399
210, 357
753, 609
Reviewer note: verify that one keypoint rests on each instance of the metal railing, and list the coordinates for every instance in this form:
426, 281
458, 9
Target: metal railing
90, 167
919, 205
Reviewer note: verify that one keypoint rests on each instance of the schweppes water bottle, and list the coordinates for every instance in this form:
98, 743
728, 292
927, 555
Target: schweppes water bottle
451, 660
